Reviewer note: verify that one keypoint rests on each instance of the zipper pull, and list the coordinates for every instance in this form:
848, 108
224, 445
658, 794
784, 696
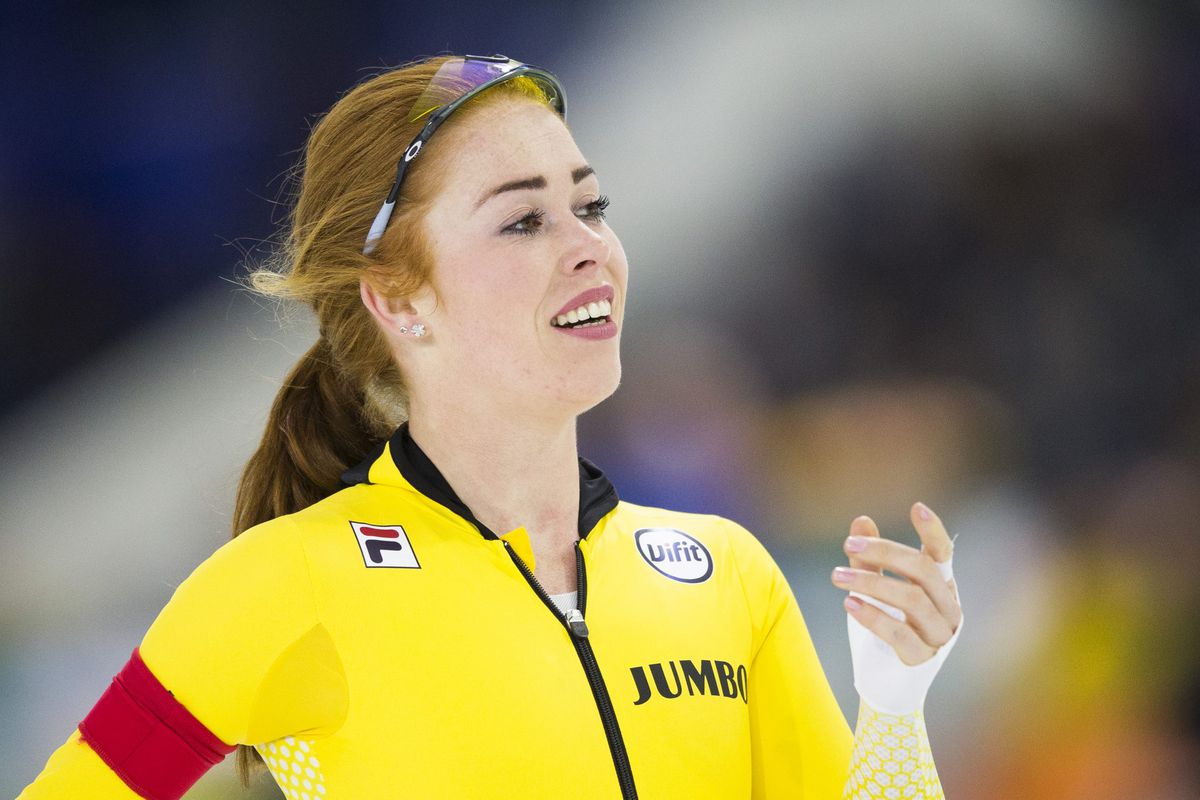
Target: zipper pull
576, 623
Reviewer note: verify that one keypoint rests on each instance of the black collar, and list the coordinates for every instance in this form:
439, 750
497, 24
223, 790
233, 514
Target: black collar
597, 496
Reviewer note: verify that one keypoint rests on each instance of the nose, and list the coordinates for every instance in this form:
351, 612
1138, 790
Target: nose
587, 250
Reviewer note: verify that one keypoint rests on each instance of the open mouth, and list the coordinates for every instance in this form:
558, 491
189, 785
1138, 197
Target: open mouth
585, 316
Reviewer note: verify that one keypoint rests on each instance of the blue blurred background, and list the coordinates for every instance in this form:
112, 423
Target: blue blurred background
879, 253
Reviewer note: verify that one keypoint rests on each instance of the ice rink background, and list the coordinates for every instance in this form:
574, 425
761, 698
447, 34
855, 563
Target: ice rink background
879, 253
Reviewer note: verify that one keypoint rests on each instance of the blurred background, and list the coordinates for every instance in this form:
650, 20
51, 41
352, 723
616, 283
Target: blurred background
880, 252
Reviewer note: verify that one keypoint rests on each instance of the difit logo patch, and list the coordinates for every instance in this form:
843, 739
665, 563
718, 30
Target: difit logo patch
385, 546
677, 555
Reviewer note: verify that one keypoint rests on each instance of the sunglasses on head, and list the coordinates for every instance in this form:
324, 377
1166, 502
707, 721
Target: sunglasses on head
455, 82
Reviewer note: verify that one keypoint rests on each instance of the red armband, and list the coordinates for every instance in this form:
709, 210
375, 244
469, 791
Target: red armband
147, 737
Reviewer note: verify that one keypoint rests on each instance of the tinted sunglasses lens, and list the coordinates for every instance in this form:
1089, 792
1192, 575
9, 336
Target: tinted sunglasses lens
454, 79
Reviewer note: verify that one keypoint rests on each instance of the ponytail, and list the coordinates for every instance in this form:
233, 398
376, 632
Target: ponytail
315, 431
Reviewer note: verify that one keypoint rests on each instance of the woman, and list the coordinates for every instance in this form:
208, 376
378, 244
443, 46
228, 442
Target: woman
432, 594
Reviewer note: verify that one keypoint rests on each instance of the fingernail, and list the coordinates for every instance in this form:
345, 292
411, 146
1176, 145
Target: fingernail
852, 603
923, 511
856, 544
843, 575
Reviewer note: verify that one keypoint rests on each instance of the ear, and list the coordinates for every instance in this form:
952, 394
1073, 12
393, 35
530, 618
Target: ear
394, 313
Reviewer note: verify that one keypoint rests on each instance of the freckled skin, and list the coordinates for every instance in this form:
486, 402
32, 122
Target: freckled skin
497, 292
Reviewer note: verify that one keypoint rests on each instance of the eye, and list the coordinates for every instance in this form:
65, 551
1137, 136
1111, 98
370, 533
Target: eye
532, 222
528, 224
595, 209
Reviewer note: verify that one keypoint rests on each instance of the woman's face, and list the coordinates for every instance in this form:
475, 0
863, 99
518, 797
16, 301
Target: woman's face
518, 240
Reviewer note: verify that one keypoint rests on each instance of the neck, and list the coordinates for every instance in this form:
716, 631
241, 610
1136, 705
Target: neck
511, 472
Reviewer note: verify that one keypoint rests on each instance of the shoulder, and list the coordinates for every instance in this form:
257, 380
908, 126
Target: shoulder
736, 554
333, 536
275, 555
721, 529
724, 537
264, 562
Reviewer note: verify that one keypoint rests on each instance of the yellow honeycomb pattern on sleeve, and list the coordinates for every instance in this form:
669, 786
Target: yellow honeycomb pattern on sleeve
295, 768
891, 759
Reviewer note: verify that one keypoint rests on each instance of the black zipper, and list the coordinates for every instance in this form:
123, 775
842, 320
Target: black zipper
576, 627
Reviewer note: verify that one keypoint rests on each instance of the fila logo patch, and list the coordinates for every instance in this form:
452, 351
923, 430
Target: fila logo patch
675, 554
384, 546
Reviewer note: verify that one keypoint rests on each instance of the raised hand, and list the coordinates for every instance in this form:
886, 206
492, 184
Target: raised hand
899, 624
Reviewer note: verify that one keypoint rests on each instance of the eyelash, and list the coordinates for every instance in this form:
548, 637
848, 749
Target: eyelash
597, 207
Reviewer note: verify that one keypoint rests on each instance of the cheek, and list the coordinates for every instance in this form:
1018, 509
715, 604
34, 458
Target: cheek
492, 302
618, 268
618, 263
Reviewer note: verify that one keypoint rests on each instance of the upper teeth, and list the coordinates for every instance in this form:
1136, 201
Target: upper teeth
601, 308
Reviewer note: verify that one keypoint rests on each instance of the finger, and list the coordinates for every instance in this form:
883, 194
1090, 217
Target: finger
903, 639
879, 554
934, 539
919, 610
865, 527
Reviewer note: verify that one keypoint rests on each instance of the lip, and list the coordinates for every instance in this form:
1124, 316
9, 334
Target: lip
593, 295
605, 330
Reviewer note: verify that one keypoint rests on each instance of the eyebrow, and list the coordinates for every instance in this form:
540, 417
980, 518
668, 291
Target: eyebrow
536, 182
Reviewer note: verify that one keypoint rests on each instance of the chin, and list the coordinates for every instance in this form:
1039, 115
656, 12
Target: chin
603, 381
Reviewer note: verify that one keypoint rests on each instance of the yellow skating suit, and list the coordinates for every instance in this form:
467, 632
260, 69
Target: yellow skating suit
382, 643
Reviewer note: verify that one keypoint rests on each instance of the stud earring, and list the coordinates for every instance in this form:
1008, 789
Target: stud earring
417, 330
